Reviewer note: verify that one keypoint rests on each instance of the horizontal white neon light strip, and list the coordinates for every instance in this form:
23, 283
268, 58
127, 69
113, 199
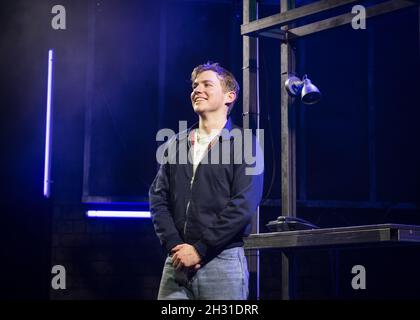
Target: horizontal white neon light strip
47, 161
118, 214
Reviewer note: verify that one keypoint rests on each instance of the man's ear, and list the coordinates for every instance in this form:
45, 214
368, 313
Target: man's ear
231, 97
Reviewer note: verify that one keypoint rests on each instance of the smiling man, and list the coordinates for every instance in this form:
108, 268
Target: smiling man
201, 211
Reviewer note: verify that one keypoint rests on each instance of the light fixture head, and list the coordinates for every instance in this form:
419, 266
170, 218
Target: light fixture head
293, 85
310, 94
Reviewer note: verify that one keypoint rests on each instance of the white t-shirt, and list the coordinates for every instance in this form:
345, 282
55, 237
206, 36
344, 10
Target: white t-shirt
201, 145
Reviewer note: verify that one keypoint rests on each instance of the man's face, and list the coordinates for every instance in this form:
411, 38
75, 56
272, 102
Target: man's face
208, 94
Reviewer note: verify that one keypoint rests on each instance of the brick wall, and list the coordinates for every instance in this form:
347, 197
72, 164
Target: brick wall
105, 258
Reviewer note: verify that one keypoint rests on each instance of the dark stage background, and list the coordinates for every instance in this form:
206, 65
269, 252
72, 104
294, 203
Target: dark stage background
122, 73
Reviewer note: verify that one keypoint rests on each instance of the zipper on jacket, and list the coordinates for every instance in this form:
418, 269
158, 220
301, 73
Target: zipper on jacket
210, 145
188, 206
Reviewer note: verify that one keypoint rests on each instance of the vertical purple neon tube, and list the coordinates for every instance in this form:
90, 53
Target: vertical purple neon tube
48, 128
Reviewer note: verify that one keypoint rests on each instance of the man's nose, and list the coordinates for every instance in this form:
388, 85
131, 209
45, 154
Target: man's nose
197, 89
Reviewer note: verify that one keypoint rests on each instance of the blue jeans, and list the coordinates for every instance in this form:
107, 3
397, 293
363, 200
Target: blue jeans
223, 278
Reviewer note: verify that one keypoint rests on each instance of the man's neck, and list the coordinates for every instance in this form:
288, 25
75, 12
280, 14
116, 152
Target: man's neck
208, 123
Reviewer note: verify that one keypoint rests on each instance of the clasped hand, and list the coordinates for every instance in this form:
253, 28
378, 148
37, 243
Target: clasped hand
185, 256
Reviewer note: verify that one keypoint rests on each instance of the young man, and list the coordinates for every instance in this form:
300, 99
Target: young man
202, 209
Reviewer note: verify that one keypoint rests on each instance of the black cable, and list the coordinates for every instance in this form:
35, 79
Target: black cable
270, 131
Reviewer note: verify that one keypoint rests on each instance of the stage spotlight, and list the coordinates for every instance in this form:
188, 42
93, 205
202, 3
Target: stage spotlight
309, 92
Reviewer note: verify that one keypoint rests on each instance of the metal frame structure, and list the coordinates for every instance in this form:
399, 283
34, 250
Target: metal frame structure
368, 236
377, 234
279, 26
251, 119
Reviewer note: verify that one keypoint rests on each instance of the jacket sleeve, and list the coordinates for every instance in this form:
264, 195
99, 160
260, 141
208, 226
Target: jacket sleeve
160, 209
246, 194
